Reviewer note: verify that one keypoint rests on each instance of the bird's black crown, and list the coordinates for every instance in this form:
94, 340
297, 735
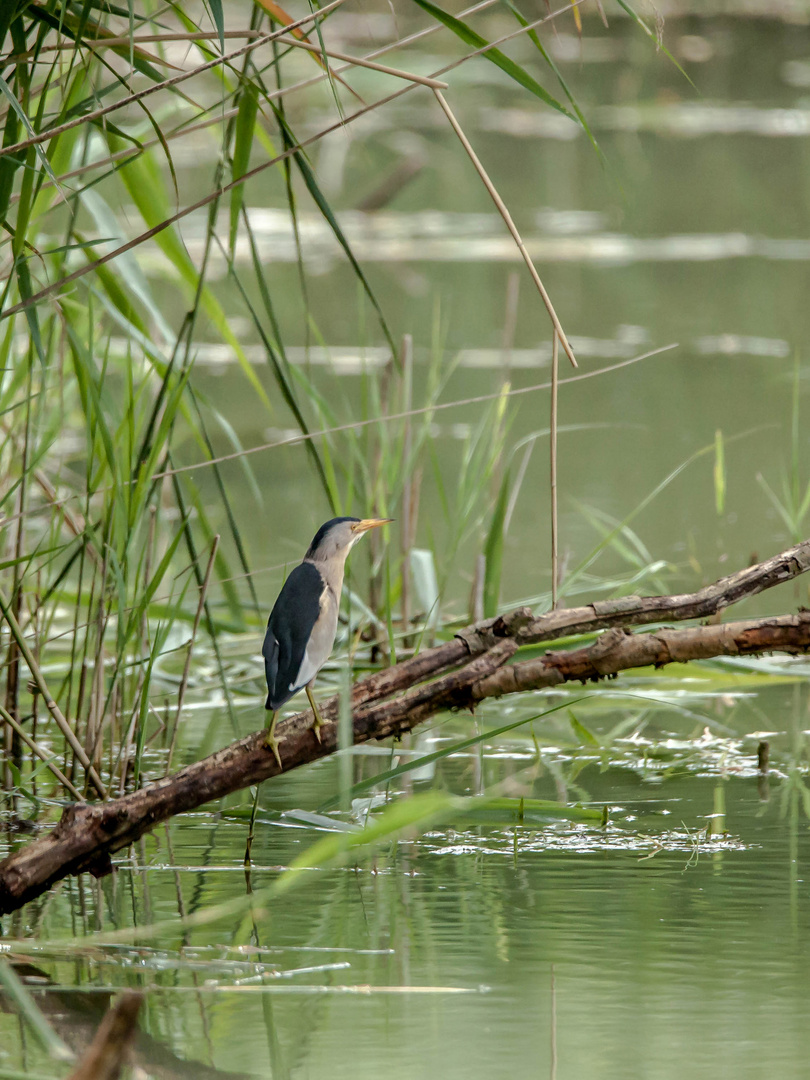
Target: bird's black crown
320, 535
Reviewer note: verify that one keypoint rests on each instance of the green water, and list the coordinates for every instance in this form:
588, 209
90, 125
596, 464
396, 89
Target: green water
675, 941
645, 949
695, 233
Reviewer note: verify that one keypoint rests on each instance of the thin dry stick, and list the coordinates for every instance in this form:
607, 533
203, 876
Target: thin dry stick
355, 60
145, 39
407, 487
181, 694
126, 743
214, 35
129, 732
553, 1025
355, 424
507, 217
42, 754
100, 163
50, 704
553, 463
51, 133
294, 440
229, 113
205, 201
283, 91
400, 42
219, 192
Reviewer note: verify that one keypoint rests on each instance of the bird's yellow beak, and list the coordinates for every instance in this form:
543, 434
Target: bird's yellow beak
370, 523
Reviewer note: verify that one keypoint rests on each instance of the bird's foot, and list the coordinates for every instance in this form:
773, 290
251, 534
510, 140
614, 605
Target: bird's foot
271, 741
316, 727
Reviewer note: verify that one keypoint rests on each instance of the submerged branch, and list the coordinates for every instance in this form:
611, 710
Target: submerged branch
457, 674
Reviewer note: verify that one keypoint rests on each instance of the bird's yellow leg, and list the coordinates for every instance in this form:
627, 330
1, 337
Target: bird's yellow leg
271, 740
318, 718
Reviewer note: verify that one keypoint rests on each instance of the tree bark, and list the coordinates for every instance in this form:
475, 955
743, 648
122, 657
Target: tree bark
456, 674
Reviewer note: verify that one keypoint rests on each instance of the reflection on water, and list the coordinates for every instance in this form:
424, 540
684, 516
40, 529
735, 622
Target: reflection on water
438, 237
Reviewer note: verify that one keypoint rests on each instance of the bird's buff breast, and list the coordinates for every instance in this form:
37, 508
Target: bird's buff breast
321, 640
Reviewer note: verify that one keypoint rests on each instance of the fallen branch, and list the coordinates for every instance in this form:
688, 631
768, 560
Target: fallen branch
457, 674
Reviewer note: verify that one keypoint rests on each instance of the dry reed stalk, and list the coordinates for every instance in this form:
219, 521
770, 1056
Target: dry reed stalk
13, 745
356, 61
50, 704
145, 39
406, 532
553, 1074
95, 712
507, 217
353, 425
42, 754
122, 759
230, 113
214, 196
131, 99
181, 694
75, 524
477, 588
400, 42
553, 469
124, 748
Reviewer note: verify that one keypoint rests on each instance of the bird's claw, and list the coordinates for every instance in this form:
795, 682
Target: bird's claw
271, 742
316, 712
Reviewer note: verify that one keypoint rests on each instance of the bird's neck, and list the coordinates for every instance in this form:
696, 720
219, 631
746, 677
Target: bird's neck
331, 571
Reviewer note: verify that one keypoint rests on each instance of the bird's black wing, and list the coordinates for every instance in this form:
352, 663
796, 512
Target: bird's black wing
288, 631
270, 654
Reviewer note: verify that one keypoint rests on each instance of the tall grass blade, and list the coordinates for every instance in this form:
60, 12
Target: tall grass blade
494, 55
658, 43
446, 751
320, 201
719, 473
243, 144
28, 1009
534, 37
23, 116
493, 552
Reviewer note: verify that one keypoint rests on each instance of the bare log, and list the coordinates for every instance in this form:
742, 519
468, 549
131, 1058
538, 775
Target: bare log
472, 667
709, 601
619, 649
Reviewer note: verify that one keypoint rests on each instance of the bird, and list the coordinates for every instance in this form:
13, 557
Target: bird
303, 623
